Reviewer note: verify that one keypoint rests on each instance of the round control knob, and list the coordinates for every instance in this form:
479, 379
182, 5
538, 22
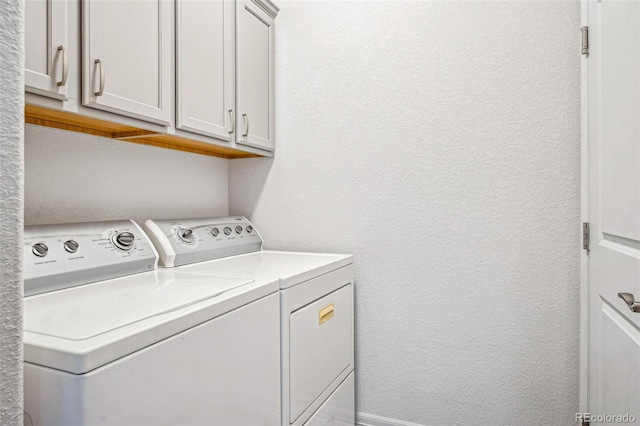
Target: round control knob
123, 240
215, 232
249, 229
238, 229
40, 249
71, 246
185, 235
227, 230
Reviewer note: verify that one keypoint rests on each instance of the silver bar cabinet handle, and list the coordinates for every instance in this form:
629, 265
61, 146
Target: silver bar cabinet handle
232, 117
101, 90
65, 65
630, 301
246, 125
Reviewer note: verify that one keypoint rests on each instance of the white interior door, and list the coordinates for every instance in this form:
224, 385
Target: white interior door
127, 57
613, 141
46, 48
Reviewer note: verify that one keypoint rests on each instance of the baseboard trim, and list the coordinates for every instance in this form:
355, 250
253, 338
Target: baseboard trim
363, 419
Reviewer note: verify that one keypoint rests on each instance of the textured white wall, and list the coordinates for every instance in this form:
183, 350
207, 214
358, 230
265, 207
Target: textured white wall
11, 199
74, 177
439, 143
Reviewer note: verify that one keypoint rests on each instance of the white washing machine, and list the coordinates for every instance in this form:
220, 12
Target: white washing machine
316, 299
111, 340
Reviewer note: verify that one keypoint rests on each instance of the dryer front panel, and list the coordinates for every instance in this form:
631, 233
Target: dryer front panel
339, 408
321, 347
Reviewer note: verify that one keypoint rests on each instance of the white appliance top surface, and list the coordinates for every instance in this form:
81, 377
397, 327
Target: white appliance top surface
81, 328
90, 310
290, 268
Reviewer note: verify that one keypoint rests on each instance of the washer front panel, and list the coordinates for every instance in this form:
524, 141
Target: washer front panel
224, 371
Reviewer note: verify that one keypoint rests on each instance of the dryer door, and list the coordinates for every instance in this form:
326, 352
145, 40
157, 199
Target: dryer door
321, 347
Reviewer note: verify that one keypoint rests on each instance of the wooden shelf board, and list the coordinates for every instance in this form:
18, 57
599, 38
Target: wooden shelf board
41, 116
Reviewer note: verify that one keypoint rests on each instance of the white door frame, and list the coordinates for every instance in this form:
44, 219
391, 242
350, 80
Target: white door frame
584, 217
591, 195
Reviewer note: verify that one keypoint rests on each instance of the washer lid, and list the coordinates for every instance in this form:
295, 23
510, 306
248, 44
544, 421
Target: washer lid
82, 328
88, 311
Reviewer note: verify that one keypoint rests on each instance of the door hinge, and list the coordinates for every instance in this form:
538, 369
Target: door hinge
586, 236
585, 40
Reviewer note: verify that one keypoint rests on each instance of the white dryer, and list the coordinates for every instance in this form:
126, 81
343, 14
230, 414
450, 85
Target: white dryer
316, 299
111, 340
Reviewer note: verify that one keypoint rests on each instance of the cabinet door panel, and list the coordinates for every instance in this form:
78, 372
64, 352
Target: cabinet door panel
205, 59
46, 44
255, 77
132, 40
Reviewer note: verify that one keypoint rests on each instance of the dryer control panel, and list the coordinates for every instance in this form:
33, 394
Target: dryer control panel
68, 255
183, 241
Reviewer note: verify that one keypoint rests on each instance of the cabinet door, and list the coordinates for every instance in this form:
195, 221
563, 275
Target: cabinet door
255, 86
127, 57
47, 56
205, 66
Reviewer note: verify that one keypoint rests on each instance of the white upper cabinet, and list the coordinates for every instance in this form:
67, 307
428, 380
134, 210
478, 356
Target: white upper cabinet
255, 74
47, 48
205, 66
127, 57
199, 74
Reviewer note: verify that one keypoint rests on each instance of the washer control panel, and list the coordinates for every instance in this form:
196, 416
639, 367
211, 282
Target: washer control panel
67, 255
184, 241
